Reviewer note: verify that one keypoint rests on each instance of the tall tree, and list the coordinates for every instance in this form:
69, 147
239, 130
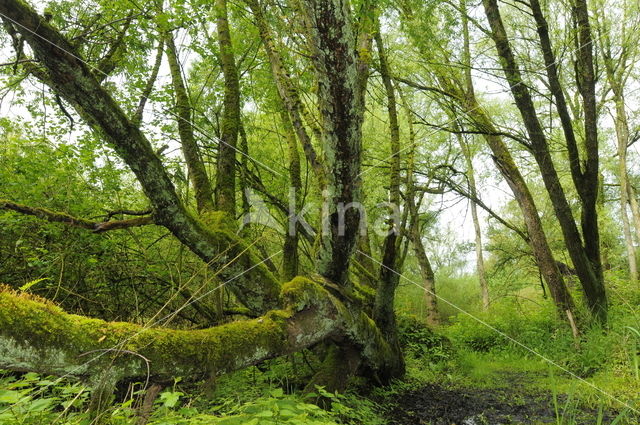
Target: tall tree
585, 254
458, 88
618, 62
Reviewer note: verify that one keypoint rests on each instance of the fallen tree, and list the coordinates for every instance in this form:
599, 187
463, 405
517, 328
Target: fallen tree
37, 335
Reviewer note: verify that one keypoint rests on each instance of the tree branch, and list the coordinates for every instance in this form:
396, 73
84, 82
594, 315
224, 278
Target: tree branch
60, 217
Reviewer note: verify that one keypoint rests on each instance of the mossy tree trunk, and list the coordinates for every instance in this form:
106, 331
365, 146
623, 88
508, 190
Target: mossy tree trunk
225, 191
36, 335
290, 247
341, 106
383, 312
202, 188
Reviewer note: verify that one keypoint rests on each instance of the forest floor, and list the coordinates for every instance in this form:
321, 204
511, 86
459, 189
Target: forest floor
486, 392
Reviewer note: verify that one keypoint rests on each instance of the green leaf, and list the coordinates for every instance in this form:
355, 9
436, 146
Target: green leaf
28, 285
9, 396
170, 398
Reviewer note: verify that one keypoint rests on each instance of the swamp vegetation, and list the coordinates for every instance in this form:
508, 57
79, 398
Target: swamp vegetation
319, 212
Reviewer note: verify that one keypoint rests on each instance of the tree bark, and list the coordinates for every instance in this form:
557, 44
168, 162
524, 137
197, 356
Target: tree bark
341, 109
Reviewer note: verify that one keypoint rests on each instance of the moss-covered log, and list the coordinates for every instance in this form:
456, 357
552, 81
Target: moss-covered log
37, 335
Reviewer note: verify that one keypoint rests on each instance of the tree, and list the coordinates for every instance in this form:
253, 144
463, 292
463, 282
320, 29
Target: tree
584, 249
296, 315
456, 91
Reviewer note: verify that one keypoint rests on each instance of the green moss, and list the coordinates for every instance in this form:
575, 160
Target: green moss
301, 293
59, 341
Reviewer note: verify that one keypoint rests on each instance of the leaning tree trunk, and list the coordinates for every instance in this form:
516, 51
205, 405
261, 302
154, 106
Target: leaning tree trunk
585, 257
466, 151
459, 88
505, 163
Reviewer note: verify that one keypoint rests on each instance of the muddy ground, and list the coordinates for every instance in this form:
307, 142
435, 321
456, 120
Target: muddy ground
435, 404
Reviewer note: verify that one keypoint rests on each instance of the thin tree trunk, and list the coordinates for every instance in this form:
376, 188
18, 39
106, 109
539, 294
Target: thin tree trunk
290, 248
616, 72
503, 159
536, 238
225, 192
635, 210
482, 278
622, 133
413, 232
585, 178
197, 172
287, 91
383, 312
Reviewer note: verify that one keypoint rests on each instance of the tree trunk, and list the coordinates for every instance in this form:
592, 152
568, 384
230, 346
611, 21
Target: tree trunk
622, 133
290, 248
465, 98
383, 312
617, 71
36, 335
287, 91
635, 210
482, 278
413, 233
341, 109
226, 165
195, 167
585, 259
